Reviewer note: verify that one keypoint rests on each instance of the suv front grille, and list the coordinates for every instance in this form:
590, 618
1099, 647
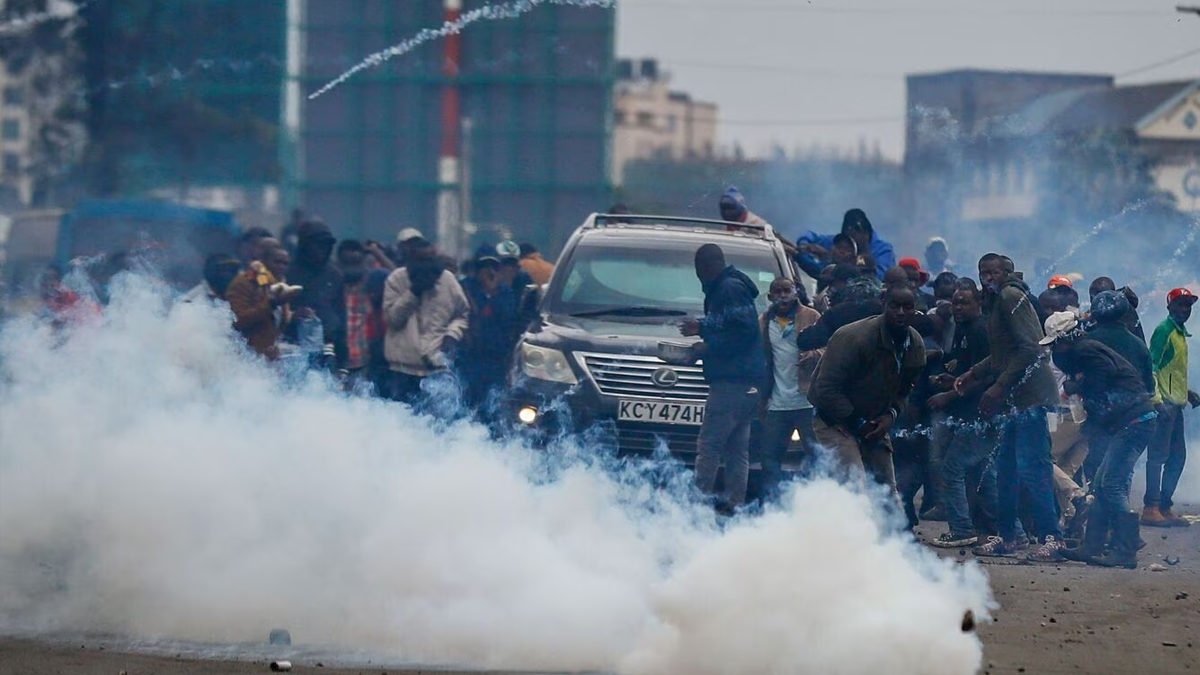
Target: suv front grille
644, 439
631, 376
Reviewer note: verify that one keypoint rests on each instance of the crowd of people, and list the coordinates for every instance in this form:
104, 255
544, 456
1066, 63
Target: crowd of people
1015, 416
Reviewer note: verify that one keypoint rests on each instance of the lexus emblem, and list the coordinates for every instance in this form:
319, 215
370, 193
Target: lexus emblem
665, 378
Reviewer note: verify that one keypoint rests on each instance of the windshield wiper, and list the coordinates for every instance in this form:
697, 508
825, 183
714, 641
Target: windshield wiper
630, 311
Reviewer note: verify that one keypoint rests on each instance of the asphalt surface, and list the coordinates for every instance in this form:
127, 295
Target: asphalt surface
1054, 618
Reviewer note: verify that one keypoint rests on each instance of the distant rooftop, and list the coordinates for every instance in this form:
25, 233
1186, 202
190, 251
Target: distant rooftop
1087, 108
981, 73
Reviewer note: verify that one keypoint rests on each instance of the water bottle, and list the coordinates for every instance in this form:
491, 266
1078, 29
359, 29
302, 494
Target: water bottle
310, 335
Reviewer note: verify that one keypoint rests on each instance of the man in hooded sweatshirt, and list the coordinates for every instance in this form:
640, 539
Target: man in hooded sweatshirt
735, 368
323, 295
855, 224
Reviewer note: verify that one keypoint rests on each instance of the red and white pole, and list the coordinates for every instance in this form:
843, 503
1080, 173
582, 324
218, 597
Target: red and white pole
449, 224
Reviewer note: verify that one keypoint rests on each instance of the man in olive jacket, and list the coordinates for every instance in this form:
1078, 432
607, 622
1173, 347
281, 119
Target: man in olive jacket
1022, 389
861, 384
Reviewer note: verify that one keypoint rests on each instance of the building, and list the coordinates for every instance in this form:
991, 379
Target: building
1045, 162
41, 139
518, 109
16, 133
947, 114
653, 122
184, 100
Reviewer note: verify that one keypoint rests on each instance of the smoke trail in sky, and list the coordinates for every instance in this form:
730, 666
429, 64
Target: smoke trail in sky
509, 10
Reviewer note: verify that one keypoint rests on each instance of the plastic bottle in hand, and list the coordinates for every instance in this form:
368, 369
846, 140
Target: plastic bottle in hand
310, 334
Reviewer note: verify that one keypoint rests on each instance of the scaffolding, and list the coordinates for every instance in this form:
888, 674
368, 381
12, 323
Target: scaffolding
184, 95
536, 89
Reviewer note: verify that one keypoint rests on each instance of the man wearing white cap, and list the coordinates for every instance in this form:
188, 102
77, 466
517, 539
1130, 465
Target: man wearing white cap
1120, 423
405, 240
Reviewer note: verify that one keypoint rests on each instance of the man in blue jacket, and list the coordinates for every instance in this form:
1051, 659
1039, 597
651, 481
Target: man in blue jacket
735, 368
855, 224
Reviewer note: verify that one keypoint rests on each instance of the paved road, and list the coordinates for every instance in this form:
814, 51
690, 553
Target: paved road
1063, 618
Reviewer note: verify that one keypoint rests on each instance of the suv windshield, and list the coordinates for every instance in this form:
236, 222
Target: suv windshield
607, 278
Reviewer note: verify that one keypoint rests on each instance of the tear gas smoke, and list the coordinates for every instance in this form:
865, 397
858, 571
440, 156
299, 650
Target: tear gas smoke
158, 482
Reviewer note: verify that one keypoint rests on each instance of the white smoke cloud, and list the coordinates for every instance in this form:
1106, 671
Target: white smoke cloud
157, 482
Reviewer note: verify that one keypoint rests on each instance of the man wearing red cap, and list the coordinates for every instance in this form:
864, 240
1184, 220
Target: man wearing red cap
919, 277
1060, 280
1168, 451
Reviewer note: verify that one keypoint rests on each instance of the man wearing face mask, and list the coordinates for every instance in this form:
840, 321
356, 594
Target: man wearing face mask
785, 397
426, 314
365, 330
322, 297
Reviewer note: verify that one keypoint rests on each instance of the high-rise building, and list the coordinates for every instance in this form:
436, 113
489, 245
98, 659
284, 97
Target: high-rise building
184, 99
521, 107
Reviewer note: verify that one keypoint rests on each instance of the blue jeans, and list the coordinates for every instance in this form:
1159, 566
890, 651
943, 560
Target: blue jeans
1165, 460
1023, 464
1115, 476
725, 437
968, 455
776, 436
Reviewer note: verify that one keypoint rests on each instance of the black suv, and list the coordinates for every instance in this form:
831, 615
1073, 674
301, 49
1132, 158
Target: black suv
622, 285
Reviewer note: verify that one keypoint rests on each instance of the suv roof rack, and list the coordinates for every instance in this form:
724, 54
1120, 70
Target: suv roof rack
598, 220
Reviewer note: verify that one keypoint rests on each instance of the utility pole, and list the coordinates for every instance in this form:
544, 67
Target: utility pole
464, 200
449, 214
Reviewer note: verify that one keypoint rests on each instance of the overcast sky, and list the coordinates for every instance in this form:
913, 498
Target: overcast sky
832, 71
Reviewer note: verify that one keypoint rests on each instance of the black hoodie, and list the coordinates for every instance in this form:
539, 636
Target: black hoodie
730, 330
324, 289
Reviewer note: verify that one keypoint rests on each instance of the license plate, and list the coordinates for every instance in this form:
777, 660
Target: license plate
661, 412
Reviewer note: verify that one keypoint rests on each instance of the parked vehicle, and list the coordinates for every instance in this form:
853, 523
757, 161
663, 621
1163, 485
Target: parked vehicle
591, 358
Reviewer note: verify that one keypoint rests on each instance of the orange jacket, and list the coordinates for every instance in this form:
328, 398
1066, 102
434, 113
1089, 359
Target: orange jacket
537, 268
253, 312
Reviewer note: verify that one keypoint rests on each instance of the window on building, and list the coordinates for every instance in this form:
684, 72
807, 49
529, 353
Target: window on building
1019, 177
1002, 181
979, 181
12, 163
11, 130
619, 117
645, 119
14, 96
672, 121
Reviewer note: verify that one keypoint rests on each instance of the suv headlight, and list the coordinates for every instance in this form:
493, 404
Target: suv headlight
542, 363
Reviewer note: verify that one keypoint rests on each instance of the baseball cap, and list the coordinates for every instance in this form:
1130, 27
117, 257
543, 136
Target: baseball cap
1060, 280
508, 249
486, 253
914, 263
1109, 306
408, 234
1059, 324
1179, 293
